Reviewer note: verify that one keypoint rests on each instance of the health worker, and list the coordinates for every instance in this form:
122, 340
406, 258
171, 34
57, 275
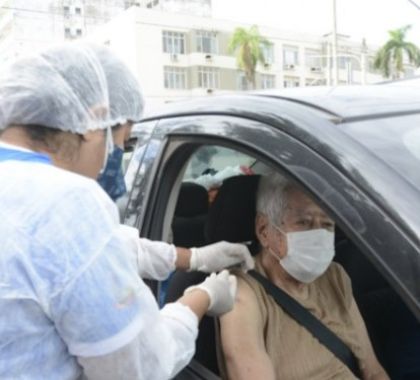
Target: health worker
155, 260
72, 305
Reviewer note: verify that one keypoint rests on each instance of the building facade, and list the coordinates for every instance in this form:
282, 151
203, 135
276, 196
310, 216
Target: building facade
179, 56
194, 7
176, 49
27, 26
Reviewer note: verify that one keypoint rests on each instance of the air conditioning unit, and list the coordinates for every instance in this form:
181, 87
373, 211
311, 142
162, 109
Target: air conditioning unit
289, 67
267, 66
316, 69
209, 57
174, 57
210, 91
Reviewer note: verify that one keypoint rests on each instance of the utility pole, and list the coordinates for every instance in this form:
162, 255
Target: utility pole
363, 61
334, 45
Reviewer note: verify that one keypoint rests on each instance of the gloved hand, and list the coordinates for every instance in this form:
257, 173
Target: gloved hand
215, 285
221, 255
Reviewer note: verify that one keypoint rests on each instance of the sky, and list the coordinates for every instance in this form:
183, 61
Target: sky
370, 19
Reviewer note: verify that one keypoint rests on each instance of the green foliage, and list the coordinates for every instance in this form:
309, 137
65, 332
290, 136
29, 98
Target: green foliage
248, 46
389, 58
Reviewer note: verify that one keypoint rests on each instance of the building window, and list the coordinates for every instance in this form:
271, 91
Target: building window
175, 78
67, 32
66, 10
78, 10
343, 62
315, 82
313, 60
268, 81
207, 42
79, 32
173, 42
291, 82
290, 56
268, 53
242, 82
208, 77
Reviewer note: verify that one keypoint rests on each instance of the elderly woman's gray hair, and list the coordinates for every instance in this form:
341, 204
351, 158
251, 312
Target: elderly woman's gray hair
272, 196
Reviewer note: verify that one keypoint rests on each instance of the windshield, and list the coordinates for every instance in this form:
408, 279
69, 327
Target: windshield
395, 140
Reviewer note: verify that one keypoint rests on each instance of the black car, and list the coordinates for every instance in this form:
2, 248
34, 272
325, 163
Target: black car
356, 150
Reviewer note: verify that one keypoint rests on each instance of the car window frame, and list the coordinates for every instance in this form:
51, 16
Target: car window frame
194, 131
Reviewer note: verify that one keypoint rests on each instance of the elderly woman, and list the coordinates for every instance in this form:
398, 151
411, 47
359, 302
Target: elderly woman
259, 339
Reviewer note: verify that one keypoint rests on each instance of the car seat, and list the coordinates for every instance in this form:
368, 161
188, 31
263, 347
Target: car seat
187, 225
232, 214
190, 215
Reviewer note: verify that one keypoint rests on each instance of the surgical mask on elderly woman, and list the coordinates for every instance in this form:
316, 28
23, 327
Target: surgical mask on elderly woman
112, 177
309, 253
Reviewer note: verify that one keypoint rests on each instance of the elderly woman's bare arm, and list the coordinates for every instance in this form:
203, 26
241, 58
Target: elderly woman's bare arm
370, 367
242, 339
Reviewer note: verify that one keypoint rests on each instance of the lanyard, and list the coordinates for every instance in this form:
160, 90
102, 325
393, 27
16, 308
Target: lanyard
20, 155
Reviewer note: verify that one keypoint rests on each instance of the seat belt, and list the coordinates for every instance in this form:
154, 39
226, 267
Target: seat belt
306, 319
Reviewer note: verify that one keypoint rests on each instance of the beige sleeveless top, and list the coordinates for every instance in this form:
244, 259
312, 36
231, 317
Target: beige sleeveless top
294, 352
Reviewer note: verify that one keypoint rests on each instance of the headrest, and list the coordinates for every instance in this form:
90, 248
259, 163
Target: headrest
192, 200
232, 214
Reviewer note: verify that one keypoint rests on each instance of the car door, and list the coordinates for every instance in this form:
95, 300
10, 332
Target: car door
355, 211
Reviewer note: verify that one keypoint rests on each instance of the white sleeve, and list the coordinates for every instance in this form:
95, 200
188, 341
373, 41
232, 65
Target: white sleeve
90, 290
155, 260
159, 352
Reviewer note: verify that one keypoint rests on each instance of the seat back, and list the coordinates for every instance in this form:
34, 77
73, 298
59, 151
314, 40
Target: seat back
232, 215
190, 215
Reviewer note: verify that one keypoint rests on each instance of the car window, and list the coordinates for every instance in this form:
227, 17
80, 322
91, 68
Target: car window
395, 140
196, 224
205, 172
211, 159
138, 163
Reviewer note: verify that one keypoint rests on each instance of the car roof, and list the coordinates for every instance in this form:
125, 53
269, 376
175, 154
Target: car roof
344, 103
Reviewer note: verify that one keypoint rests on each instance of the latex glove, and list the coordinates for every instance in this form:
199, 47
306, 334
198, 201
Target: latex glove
221, 255
215, 285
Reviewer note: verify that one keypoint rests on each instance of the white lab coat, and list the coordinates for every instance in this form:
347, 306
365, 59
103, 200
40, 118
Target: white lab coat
71, 300
155, 260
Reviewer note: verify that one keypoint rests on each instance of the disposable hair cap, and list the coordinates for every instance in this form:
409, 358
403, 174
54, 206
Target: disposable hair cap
126, 100
62, 87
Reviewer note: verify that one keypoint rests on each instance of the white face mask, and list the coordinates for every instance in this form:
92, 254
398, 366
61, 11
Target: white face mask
309, 253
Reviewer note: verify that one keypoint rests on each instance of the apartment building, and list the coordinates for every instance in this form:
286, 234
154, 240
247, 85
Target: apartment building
195, 7
30, 25
182, 55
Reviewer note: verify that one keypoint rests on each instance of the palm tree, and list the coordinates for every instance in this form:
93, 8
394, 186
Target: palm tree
249, 48
389, 58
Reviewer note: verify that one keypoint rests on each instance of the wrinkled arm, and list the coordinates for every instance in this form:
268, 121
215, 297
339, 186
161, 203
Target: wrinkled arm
242, 339
370, 367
